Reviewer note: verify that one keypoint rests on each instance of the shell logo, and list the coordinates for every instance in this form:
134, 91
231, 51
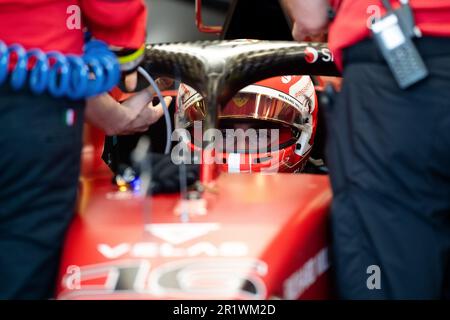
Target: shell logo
311, 55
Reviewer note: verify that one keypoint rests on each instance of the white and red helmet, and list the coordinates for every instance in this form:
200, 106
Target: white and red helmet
286, 104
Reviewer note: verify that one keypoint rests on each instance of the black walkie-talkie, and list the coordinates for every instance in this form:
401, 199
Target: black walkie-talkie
393, 34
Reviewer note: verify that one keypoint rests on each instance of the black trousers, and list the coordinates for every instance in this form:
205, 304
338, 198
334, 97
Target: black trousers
40, 147
388, 152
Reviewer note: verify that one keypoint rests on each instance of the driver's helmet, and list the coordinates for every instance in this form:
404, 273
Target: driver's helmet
286, 107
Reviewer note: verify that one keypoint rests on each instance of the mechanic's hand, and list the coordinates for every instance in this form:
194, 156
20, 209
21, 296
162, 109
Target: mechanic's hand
133, 115
140, 112
310, 17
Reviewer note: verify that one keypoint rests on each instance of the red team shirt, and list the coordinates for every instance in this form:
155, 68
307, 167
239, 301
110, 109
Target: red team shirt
43, 23
350, 25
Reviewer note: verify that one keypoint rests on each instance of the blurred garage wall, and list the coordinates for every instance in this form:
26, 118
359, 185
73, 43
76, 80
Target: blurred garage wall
174, 20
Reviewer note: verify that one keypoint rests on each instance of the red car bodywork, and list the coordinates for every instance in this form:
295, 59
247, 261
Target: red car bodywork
262, 237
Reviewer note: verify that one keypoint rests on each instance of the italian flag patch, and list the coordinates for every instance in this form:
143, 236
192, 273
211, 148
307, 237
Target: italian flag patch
70, 117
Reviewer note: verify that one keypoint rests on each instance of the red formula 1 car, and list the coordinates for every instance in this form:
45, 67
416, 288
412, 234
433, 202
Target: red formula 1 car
262, 237
245, 236
252, 236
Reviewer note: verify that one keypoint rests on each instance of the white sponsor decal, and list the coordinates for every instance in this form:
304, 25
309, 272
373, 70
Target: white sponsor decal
210, 279
312, 55
240, 278
303, 90
153, 249
306, 276
177, 233
274, 94
327, 55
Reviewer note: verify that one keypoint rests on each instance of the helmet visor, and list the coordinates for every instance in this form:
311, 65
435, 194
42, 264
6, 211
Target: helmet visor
266, 105
254, 107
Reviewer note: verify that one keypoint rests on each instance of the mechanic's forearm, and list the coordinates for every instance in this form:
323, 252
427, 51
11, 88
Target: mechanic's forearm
306, 10
106, 113
310, 17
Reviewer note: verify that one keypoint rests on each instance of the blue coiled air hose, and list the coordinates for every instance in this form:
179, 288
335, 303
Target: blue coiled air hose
71, 76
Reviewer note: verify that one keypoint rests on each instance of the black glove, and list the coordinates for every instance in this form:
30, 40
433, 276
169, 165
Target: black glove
166, 174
